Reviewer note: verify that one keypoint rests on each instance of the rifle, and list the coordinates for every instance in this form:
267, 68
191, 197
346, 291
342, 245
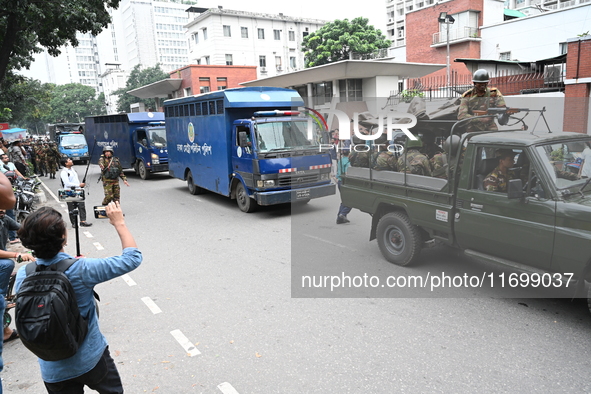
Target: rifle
499, 111
90, 158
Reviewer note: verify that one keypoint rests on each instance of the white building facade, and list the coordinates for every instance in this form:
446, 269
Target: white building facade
270, 42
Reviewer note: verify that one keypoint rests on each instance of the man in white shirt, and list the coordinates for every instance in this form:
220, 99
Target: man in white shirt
585, 171
7, 165
70, 179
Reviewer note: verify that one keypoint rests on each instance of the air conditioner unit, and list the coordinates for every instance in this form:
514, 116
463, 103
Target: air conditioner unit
263, 69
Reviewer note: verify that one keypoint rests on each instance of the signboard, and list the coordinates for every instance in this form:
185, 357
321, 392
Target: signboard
4, 126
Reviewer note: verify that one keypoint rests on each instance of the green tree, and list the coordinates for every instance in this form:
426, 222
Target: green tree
72, 102
138, 78
50, 23
336, 40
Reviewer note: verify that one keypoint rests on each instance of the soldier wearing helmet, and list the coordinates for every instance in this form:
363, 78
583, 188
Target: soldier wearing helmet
480, 98
111, 171
440, 162
413, 161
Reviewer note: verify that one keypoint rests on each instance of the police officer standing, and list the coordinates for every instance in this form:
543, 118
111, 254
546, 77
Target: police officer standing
480, 98
111, 171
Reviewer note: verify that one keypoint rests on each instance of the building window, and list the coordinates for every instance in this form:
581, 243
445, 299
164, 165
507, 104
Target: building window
261, 33
465, 25
262, 61
227, 31
291, 35
205, 33
400, 32
322, 92
278, 62
505, 55
196, 38
292, 62
350, 90
187, 92
229, 61
203, 89
563, 47
277, 34
244, 32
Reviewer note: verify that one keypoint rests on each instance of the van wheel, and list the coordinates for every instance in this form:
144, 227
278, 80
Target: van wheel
193, 188
143, 171
399, 240
245, 203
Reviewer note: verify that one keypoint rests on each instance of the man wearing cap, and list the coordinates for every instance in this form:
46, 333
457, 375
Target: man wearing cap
111, 171
480, 98
498, 179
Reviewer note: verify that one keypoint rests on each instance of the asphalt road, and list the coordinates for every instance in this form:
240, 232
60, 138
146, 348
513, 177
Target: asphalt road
217, 306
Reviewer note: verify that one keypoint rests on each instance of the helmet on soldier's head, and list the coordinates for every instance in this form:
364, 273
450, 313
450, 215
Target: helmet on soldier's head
418, 143
107, 148
480, 76
452, 142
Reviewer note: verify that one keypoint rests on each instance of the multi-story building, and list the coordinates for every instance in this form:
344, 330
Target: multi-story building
271, 42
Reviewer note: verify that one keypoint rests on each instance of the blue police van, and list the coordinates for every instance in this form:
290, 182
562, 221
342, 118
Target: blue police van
248, 144
138, 140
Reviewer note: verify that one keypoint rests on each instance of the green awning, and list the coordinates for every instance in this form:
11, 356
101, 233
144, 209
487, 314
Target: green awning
514, 13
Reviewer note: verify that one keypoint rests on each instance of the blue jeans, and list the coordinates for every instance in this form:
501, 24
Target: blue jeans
6, 268
343, 209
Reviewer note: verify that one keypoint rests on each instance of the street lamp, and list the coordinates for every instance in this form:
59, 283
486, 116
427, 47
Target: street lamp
448, 20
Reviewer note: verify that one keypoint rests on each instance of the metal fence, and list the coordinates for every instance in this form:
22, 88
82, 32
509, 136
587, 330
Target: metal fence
510, 83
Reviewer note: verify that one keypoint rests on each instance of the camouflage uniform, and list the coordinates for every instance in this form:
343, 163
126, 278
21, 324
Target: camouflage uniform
430, 149
471, 102
386, 161
496, 181
111, 186
439, 164
40, 159
360, 159
50, 161
416, 163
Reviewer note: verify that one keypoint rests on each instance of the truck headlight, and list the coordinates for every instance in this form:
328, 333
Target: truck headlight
266, 183
155, 159
325, 177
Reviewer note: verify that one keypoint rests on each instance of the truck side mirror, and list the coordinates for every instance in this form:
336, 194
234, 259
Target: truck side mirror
515, 189
243, 139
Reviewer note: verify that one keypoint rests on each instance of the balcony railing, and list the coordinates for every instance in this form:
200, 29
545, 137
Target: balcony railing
455, 34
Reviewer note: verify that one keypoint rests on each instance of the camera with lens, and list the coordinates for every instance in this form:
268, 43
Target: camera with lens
100, 212
73, 194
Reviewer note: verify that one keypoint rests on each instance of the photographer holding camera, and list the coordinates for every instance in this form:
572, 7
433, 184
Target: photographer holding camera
92, 364
70, 180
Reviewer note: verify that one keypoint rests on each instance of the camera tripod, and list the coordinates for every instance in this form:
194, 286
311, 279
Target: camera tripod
75, 212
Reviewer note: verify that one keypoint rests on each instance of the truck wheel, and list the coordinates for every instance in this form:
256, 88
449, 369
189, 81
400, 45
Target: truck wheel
193, 188
399, 240
143, 171
245, 203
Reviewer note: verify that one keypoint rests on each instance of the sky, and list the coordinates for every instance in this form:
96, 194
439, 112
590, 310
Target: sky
374, 10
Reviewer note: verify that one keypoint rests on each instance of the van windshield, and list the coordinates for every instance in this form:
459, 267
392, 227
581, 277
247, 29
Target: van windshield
72, 140
157, 137
284, 135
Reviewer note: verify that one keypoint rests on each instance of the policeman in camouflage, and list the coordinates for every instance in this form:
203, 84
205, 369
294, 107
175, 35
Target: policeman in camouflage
40, 158
51, 158
498, 179
414, 161
440, 162
385, 160
480, 98
111, 171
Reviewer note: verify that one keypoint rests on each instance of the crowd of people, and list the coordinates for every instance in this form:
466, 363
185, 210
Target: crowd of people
33, 156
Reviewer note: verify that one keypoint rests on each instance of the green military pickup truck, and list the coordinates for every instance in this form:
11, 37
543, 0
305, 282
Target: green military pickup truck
541, 224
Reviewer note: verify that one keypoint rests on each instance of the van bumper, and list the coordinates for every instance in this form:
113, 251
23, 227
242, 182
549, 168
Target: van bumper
294, 195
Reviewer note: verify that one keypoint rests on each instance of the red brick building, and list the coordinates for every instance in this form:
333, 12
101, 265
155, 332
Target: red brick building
577, 85
198, 79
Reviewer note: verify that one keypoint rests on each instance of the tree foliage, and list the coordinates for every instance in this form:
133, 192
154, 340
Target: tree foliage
138, 78
336, 40
25, 24
73, 102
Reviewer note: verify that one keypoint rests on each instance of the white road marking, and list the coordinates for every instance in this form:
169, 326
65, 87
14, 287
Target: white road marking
185, 343
88, 234
128, 280
98, 246
151, 305
227, 388
330, 242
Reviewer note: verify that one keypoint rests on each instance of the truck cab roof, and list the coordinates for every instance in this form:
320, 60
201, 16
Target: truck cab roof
524, 138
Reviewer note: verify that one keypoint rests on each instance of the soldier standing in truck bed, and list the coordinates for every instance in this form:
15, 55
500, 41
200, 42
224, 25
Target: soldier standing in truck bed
480, 98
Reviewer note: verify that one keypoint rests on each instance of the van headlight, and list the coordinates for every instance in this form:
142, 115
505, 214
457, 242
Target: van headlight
266, 183
325, 177
155, 159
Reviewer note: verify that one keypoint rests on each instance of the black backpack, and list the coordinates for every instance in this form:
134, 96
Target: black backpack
47, 317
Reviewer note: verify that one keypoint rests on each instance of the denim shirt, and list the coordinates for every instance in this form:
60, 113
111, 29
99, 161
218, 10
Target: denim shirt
84, 275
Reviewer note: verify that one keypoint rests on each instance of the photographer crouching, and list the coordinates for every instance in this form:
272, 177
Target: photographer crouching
45, 233
70, 180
